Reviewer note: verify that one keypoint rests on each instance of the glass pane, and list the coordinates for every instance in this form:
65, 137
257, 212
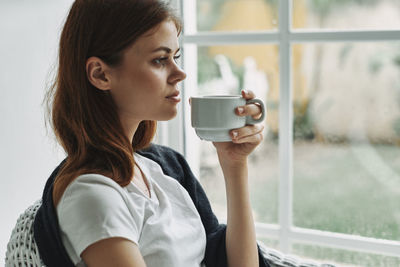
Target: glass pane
343, 257
347, 137
346, 14
237, 15
225, 70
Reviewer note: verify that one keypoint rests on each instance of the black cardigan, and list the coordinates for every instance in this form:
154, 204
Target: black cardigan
46, 228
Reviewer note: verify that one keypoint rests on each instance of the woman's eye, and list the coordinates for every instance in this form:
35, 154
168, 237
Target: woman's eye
161, 60
176, 58
164, 60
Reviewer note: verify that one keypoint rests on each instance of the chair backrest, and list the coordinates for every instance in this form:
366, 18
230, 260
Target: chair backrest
276, 258
22, 249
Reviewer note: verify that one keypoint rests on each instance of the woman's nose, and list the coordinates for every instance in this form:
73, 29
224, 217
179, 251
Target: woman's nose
177, 75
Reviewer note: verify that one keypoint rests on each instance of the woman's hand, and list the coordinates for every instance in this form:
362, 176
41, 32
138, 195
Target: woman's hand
245, 139
233, 160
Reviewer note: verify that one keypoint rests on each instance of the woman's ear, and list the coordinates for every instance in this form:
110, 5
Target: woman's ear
98, 73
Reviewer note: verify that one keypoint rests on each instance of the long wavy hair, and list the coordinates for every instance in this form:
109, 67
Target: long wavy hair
85, 119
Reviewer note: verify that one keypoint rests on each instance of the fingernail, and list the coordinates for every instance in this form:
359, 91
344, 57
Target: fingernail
245, 91
235, 134
240, 110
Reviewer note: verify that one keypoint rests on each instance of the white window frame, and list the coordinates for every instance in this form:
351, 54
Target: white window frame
180, 135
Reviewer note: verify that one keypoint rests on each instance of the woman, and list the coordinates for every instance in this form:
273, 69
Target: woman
118, 200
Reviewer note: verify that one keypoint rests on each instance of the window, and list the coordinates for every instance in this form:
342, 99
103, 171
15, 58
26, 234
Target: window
325, 182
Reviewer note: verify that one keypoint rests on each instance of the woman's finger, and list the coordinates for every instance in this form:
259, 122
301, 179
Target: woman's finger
253, 110
248, 94
252, 139
246, 131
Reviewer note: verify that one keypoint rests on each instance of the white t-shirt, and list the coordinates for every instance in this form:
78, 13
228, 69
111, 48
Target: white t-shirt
166, 227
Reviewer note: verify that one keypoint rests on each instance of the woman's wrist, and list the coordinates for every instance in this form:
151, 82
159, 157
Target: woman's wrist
236, 163
235, 174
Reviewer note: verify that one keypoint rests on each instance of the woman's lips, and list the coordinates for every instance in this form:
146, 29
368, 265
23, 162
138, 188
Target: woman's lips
174, 97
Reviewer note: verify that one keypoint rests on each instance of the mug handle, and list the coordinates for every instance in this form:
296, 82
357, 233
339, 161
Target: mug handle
249, 119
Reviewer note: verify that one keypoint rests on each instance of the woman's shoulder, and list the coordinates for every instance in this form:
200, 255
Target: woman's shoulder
93, 179
93, 208
92, 187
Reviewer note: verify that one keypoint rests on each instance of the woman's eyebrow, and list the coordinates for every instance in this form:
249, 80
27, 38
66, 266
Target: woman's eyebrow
166, 49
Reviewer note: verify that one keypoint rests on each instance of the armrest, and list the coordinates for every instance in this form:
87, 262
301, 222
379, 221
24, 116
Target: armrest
277, 259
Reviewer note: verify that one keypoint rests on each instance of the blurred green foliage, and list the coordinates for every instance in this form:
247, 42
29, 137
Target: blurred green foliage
302, 122
396, 60
396, 126
324, 7
208, 68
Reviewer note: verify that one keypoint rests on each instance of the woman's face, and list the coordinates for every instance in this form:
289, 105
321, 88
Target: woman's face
144, 86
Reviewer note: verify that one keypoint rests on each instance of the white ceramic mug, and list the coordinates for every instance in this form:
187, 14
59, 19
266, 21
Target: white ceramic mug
214, 116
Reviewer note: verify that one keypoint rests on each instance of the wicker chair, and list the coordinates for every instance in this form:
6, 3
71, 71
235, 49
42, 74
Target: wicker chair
22, 249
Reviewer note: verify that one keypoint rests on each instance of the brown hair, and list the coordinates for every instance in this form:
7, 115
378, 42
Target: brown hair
84, 118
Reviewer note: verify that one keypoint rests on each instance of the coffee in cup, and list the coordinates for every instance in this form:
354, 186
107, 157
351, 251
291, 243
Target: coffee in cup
213, 117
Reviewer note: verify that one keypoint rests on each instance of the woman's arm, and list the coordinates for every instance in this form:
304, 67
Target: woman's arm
114, 251
241, 244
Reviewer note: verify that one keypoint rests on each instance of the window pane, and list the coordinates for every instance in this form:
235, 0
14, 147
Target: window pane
347, 137
225, 70
341, 256
237, 15
346, 14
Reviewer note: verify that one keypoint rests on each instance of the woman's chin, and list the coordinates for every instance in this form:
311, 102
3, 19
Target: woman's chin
168, 115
